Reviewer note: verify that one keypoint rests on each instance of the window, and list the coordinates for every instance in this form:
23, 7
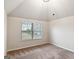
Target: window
37, 31
26, 31
31, 31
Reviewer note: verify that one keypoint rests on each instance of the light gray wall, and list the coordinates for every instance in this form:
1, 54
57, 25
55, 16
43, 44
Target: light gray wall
5, 33
61, 32
14, 34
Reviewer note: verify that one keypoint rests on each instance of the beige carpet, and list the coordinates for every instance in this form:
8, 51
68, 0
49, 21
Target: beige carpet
46, 51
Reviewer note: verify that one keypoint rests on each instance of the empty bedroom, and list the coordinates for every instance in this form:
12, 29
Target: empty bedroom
39, 29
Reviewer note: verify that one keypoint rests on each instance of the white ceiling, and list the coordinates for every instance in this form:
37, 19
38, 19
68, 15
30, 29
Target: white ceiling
62, 8
11, 5
37, 9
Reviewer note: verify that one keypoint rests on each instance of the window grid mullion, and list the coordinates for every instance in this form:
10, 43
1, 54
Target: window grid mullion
32, 31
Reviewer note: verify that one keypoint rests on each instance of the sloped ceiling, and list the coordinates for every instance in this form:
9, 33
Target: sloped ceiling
33, 9
61, 8
37, 9
10, 5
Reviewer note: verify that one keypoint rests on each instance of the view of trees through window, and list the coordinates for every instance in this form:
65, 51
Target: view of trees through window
31, 31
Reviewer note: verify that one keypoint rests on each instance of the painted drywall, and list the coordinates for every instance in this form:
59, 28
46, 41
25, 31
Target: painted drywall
61, 8
33, 9
10, 5
61, 32
5, 33
14, 34
37, 9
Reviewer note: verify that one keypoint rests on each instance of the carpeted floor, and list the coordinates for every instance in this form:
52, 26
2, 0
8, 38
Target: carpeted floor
46, 51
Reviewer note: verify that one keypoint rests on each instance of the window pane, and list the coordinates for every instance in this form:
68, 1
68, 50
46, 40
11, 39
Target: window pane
37, 35
37, 27
37, 31
26, 31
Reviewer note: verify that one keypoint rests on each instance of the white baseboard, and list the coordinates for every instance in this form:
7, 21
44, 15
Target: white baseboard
64, 48
26, 47
41, 44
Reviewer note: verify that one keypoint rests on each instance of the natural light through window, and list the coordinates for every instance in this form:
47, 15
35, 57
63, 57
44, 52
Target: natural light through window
31, 31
